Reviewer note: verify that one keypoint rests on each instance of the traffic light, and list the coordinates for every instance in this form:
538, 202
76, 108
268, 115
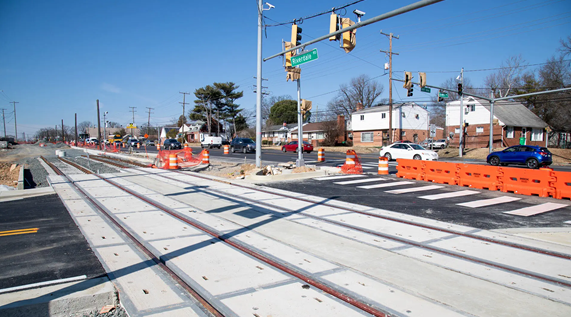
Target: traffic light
440, 99
410, 89
333, 26
305, 106
293, 73
288, 55
422, 79
460, 89
295, 35
348, 39
407, 80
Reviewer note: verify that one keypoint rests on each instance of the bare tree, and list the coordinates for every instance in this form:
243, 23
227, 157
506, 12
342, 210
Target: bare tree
565, 48
507, 77
452, 85
331, 132
361, 90
83, 126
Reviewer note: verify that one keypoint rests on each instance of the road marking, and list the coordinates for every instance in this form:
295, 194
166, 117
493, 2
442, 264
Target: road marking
19, 231
413, 189
375, 179
489, 202
450, 195
326, 178
385, 185
534, 210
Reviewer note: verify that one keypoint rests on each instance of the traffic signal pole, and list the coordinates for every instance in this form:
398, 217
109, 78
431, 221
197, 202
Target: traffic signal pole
300, 161
461, 140
259, 90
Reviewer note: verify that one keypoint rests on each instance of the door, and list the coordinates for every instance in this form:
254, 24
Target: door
510, 155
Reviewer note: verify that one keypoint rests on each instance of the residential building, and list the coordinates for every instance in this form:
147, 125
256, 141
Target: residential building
410, 121
316, 132
192, 131
278, 133
513, 124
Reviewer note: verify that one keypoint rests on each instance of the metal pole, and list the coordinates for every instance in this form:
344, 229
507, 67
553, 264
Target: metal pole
390, 91
62, 132
259, 90
76, 129
491, 123
98, 127
4, 119
15, 124
300, 161
104, 130
460, 141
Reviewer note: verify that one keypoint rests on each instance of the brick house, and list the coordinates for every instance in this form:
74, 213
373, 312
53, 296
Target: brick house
512, 121
409, 122
315, 132
278, 133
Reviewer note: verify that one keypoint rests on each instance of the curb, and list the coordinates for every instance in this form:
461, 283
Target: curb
21, 178
325, 170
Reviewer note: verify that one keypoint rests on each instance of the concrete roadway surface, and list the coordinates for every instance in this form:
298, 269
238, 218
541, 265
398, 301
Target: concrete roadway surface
369, 160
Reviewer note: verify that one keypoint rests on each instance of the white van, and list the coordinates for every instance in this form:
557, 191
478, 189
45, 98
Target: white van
210, 141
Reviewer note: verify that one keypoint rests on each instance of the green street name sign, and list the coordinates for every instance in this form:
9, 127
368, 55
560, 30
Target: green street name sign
304, 58
424, 89
443, 94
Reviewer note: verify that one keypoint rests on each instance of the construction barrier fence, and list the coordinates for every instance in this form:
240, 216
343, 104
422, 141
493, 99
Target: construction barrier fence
543, 182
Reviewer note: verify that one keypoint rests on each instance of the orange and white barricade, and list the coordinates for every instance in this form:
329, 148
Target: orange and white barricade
226, 149
173, 162
205, 157
383, 166
321, 155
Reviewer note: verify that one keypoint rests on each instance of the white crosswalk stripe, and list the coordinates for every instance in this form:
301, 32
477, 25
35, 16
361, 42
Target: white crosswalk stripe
489, 202
326, 178
534, 210
374, 179
385, 185
414, 189
450, 195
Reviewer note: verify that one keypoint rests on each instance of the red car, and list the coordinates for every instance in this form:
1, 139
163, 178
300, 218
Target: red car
292, 146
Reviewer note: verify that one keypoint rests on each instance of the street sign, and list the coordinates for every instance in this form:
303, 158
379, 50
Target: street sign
443, 94
432, 130
304, 58
425, 89
131, 126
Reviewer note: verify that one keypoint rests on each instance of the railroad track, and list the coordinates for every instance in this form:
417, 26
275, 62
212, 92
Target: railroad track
355, 301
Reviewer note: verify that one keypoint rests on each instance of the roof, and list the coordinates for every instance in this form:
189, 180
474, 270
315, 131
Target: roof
381, 108
514, 114
280, 127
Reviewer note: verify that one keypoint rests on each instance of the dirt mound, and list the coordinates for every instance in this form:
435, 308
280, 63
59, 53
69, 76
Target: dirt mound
9, 174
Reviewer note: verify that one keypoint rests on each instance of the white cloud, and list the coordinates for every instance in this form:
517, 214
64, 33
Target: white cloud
110, 88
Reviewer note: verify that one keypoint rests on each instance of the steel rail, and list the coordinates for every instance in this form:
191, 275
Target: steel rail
467, 235
204, 302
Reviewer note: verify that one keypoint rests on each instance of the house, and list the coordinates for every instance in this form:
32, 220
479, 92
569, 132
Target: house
512, 123
410, 121
315, 133
278, 133
192, 130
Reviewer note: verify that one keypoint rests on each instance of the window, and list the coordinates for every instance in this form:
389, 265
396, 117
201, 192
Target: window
457, 130
367, 136
510, 133
403, 115
472, 107
362, 117
479, 130
383, 115
320, 135
537, 134
402, 133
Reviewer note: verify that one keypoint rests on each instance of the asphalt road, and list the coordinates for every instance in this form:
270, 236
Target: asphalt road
40, 242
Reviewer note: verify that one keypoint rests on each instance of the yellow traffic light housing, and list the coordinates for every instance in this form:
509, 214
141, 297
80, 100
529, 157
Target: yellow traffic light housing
333, 26
407, 80
295, 35
288, 55
348, 39
422, 79
305, 105
293, 73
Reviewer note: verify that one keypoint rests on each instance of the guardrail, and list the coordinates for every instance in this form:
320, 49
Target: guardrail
543, 182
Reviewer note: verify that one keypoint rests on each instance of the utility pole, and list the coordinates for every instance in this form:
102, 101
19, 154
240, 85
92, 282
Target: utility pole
390, 53
4, 119
259, 84
15, 124
183, 101
149, 121
98, 127
62, 132
76, 129
133, 123
461, 140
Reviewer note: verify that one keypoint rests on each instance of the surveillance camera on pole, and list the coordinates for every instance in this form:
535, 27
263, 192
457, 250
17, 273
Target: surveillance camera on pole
359, 14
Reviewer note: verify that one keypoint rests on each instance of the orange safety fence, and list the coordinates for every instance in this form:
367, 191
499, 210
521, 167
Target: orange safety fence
562, 183
352, 164
441, 173
479, 176
184, 158
410, 169
528, 182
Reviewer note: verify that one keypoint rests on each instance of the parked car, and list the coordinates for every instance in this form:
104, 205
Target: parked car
150, 143
242, 144
133, 142
171, 144
408, 151
211, 141
532, 156
439, 144
293, 146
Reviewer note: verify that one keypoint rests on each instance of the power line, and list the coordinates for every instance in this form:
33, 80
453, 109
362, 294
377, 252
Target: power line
300, 20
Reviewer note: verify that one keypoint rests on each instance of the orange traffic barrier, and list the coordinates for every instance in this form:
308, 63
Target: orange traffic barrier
383, 166
173, 162
528, 181
410, 169
562, 183
352, 164
321, 155
441, 172
205, 157
226, 149
479, 176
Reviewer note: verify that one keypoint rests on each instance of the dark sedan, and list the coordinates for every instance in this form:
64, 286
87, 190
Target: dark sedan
244, 145
172, 144
293, 146
532, 156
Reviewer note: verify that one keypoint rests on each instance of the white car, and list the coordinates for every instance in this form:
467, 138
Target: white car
408, 151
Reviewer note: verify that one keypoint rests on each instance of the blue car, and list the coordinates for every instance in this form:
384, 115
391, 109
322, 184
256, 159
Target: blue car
532, 156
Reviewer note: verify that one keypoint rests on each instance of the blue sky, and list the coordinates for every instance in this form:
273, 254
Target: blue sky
58, 57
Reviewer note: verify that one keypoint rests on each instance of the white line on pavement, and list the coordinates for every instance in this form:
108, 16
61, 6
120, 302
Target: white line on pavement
450, 195
414, 189
385, 185
489, 202
375, 179
534, 210
326, 178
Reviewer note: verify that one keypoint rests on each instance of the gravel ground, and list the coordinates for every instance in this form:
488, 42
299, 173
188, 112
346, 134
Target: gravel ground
97, 167
117, 312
